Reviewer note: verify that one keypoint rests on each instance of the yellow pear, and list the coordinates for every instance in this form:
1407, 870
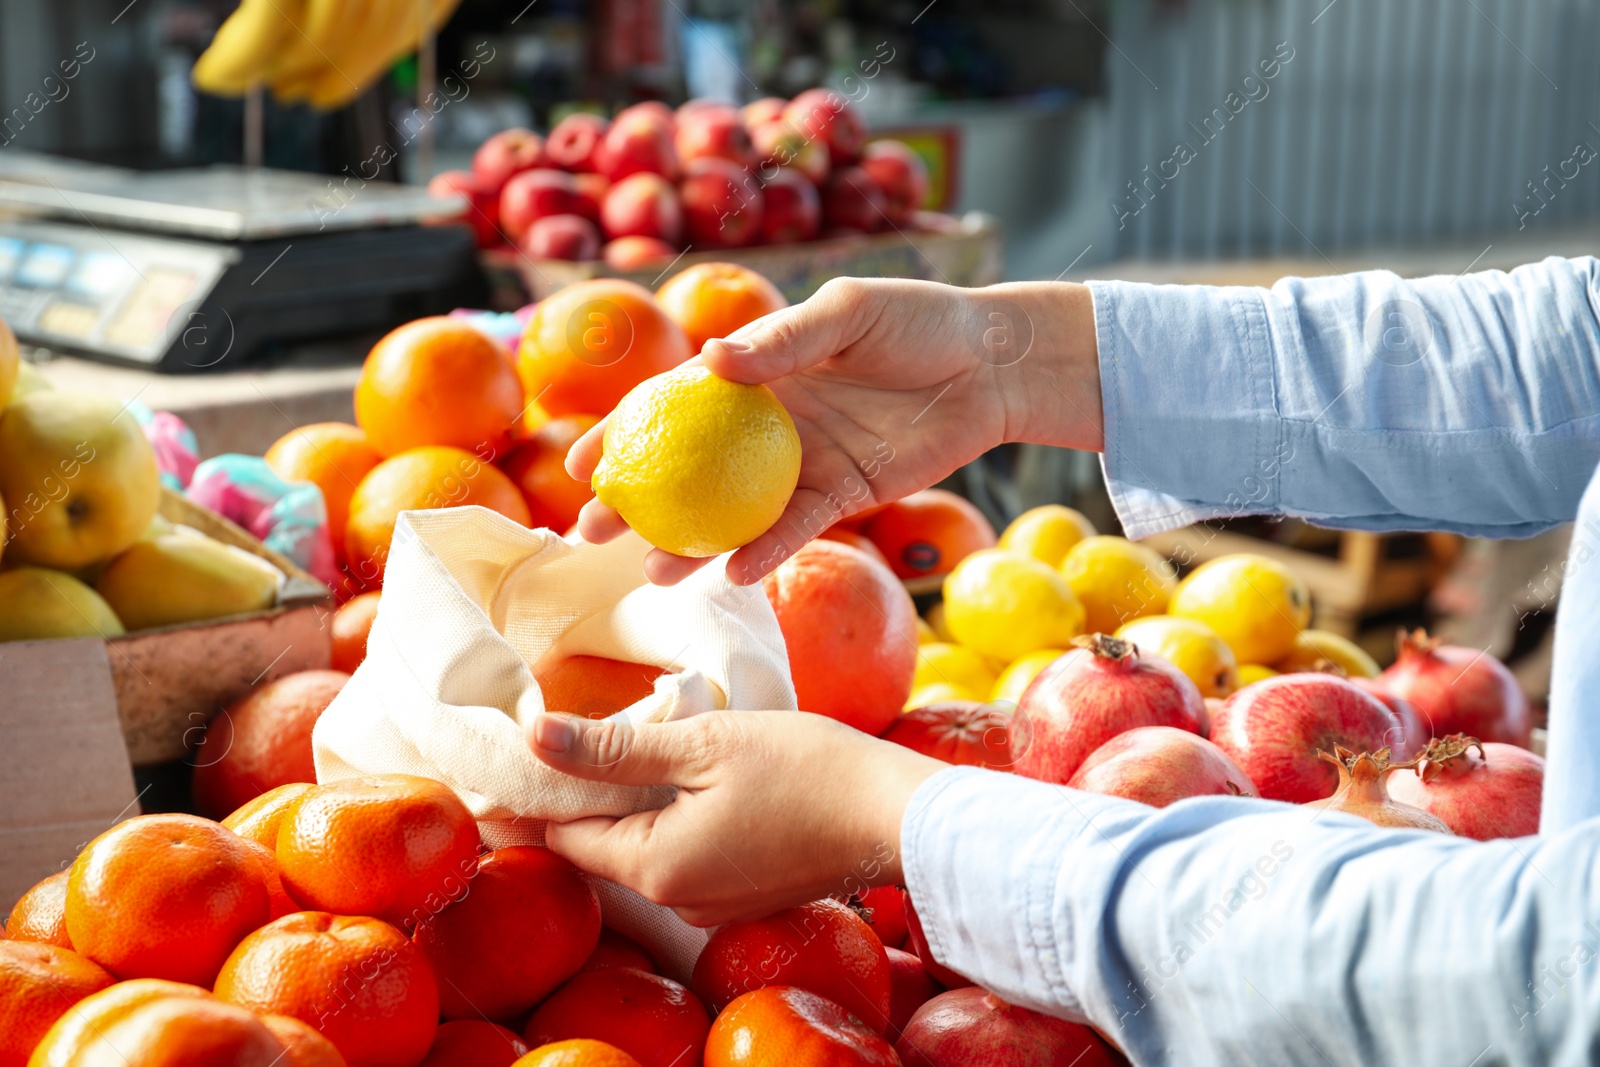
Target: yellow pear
36, 603
78, 476
30, 380
179, 578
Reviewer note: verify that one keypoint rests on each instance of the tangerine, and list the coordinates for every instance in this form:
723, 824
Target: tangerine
715, 299
39, 983
538, 467
782, 1026
854, 539
333, 456
258, 820
593, 686
929, 532
653, 1019
303, 1045
350, 628
40, 914
474, 1043
579, 1052
619, 950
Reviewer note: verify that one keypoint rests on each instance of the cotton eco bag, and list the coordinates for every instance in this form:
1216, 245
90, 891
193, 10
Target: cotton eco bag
470, 601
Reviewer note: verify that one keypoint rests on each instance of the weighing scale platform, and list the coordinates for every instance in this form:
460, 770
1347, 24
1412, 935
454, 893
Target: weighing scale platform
193, 270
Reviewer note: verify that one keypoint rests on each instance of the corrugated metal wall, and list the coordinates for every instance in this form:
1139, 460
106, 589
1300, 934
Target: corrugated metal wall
1395, 121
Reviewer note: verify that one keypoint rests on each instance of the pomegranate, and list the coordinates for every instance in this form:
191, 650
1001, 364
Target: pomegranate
1408, 738
910, 987
1495, 793
1459, 690
958, 731
1274, 728
919, 944
1157, 765
1102, 688
884, 909
972, 1026
1361, 791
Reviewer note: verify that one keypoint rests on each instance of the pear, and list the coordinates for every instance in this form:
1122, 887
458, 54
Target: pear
36, 603
178, 578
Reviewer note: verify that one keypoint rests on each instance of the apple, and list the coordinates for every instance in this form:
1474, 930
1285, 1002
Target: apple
483, 203
78, 476
957, 731
759, 112
970, 1026
1273, 729
902, 176
714, 132
637, 143
572, 143
698, 105
791, 209
507, 153
590, 192
826, 116
721, 204
852, 199
655, 111
778, 144
562, 237
642, 205
534, 194
1157, 765
637, 253
910, 987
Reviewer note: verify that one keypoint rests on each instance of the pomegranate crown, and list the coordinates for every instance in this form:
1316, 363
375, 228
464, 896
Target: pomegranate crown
1106, 646
1364, 766
1441, 750
1416, 642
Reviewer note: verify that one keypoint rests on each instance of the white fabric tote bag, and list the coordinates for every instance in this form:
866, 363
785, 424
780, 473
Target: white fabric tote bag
470, 600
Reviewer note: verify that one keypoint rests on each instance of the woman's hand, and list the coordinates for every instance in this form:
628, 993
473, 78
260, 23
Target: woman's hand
892, 385
774, 808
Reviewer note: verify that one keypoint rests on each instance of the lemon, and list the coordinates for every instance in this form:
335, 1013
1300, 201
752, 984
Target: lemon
1017, 677
1256, 604
936, 623
1191, 646
698, 465
1118, 580
953, 665
1313, 647
1046, 533
937, 693
1251, 673
1005, 605
925, 633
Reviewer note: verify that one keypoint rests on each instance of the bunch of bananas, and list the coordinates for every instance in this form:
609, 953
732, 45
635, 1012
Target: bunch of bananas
322, 52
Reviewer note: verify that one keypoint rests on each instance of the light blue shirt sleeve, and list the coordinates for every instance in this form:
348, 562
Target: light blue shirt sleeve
1249, 932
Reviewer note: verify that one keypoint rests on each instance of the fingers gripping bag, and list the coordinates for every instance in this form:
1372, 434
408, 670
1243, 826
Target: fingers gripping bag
471, 600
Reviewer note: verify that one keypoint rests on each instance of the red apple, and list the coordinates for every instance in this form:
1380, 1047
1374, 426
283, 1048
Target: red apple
637, 253
1274, 728
572, 144
721, 204
534, 194
791, 209
758, 112
971, 1026
482, 212
714, 133
917, 941
698, 105
1479, 791
507, 153
778, 144
826, 116
637, 143
851, 198
910, 987
591, 193
562, 237
958, 731
1158, 765
642, 205
654, 110
901, 174
1411, 736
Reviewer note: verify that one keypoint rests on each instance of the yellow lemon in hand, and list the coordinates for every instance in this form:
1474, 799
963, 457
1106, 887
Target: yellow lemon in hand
1256, 604
1005, 605
1021, 673
698, 465
1046, 532
953, 665
1118, 580
1191, 646
1315, 649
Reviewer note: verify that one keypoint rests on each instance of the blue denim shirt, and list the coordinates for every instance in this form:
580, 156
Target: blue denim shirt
1234, 931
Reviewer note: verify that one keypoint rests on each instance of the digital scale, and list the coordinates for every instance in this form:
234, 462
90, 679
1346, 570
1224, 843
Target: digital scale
192, 270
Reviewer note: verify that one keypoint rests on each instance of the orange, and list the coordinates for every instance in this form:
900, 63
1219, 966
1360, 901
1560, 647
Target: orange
357, 980
782, 1026
851, 632
333, 456
588, 344
181, 1027
653, 1019
438, 381
619, 950
262, 740
474, 1043
165, 896
421, 479
855, 540
580, 1052
527, 925
593, 686
351, 626
38, 984
929, 532
258, 820
389, 845
279, 902
715, 299
305, 1046
538, 466
41, 913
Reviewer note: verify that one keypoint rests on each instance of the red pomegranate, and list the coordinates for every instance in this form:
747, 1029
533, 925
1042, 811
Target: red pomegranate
1157, 765
1459, 690
910, 987
1410, 737
1362, 791
1274, 729
971, 1026
885, 911
963, 732
1495, 793
1100, 689
918, 943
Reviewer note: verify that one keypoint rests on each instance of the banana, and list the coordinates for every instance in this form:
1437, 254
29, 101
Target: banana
401, 35
330, 33
245, 45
